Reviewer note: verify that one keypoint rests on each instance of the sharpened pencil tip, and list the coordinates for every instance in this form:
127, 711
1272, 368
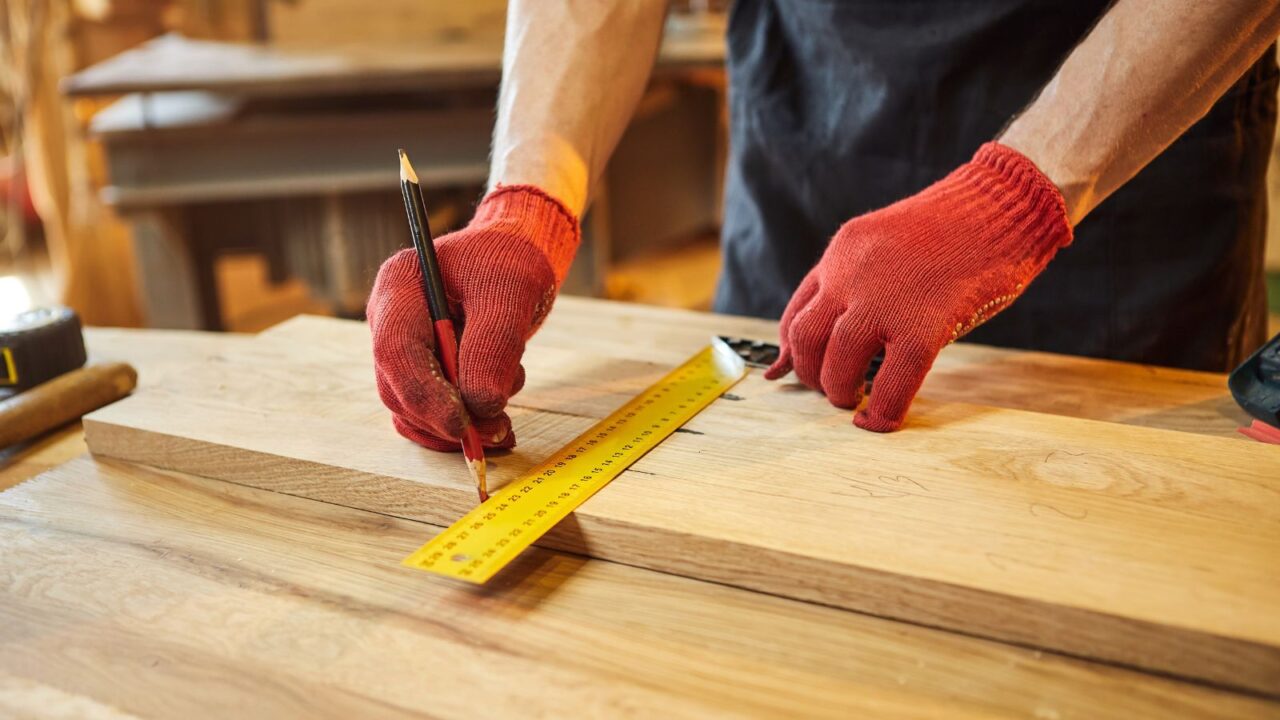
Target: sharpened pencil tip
477, 468
406, 170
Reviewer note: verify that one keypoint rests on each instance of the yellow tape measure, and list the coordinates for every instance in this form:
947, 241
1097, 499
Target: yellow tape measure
8, 370
489, 537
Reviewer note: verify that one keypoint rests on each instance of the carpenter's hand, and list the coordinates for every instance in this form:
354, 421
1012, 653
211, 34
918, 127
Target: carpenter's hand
914, 276
501, 274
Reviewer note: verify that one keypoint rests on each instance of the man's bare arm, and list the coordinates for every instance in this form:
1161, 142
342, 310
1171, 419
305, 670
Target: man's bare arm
1143, 76
572, 73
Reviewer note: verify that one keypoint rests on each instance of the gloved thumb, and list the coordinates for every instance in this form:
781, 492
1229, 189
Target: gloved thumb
489, 369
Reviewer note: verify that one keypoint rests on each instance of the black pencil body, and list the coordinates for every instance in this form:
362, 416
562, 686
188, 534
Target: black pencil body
420, 230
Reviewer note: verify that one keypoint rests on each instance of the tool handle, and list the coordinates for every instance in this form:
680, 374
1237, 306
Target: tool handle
63, 399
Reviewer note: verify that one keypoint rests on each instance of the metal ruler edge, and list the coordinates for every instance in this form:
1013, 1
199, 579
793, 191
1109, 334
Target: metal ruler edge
485, 540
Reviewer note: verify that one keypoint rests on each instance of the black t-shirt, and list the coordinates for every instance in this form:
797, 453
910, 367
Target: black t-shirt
841, 107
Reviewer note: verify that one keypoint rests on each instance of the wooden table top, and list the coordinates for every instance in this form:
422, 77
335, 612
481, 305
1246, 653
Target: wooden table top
130, 592
176, 63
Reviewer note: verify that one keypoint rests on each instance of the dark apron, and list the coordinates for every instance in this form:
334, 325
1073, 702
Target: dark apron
839, 108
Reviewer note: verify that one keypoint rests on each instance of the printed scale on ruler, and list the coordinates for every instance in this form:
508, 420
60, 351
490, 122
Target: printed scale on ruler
487, 538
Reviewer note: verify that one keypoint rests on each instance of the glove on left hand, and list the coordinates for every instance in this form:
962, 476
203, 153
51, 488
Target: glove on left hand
917, 275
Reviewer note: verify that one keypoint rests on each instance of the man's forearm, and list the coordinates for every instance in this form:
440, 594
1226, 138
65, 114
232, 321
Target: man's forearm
1144, 75
572, 74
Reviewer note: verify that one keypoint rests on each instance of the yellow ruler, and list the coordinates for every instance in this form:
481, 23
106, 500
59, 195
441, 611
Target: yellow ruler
516, 515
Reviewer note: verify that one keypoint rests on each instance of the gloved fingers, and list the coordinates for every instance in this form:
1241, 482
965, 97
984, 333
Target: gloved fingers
906, 362
397, 310
852, 345
409, 378
489, 353
495, 432
423, 437
803, 294
418, 393
518, 384
808, 336
428, 409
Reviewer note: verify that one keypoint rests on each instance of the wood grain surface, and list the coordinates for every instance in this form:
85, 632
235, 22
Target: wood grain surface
1139, 546
128, 593
155, 354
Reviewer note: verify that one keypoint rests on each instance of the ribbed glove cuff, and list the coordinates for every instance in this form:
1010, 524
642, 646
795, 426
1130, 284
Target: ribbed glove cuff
530, 213
1029, 200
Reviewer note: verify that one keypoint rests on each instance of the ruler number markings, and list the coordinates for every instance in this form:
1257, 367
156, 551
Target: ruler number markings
678, 396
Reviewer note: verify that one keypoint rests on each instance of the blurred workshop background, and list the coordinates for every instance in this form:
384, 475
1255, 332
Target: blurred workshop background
226, 164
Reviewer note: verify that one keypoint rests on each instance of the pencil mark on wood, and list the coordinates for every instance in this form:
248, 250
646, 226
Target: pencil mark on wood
1002, 562
1040, 509
905, 480
1068, 452
691, 432
731, 396
885, 486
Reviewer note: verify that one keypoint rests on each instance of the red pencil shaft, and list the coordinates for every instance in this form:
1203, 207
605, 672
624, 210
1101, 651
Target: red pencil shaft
447, 351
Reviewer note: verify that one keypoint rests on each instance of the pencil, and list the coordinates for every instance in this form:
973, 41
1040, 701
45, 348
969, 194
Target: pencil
438, 306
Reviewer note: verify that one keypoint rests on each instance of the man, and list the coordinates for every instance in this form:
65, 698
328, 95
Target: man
874, 138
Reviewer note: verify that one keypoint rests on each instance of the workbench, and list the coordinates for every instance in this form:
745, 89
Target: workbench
226, 147
130, 591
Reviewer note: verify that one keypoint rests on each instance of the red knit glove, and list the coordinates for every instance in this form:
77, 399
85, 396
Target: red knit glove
917, 275
501, 273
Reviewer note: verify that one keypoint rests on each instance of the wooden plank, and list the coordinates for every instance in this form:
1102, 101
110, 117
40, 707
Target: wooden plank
1148, 396
160, 354
1139, 546
133, 593
1039, 382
